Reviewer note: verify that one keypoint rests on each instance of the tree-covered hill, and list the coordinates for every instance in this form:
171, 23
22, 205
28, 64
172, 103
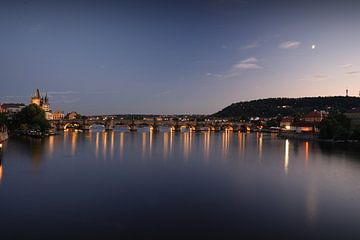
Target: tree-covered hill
272, 107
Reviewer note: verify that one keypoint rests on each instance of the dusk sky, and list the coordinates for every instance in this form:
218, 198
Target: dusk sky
107, 57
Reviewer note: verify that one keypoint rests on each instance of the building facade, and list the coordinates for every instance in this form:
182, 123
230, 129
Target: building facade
58, 115
43, 103
11, 107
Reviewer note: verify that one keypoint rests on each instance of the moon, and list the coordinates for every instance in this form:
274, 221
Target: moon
313, 46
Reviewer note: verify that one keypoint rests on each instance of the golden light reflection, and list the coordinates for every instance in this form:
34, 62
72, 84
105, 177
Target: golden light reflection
286, 157
104, 140
143, 145
206, 145
171, 141
306, 153
112, 145
150, 141
73, 143
121, 142
66, 135
260, 145
97, 144
187, 144
51, 145
225, 141
242, 142
166, 146
1, 173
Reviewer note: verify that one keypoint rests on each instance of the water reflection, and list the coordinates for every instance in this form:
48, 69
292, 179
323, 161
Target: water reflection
260, 145
143, 143
312, 202
242, 142
149, 185
97, 144
51, 146
104, 141
186, 142
286, 157
225, 142
121, 145
112, 143
1, 168
165, 144
306, 153
206, 140
73, 143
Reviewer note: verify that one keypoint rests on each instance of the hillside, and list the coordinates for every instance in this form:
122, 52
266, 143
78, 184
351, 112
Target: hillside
272, 107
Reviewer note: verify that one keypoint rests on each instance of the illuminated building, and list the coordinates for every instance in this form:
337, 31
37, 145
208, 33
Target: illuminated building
58, 115
286, 123
11, 107
43, 103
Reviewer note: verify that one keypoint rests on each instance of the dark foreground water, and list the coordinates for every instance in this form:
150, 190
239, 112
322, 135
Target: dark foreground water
178, 186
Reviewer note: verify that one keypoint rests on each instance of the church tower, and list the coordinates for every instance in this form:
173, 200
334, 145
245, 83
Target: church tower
45, 103
37, 98
42, 102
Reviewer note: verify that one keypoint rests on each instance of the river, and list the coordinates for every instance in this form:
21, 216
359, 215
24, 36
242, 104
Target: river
144, 185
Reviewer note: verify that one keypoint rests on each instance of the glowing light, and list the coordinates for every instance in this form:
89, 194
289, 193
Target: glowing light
97, 145
121, 149
286, 157
104, 139
166, 147
73, 143
206, 145
143, 144
112, 145
260, 145
1, 173
313, 46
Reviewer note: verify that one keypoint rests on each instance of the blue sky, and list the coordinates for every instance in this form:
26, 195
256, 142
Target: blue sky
169, 57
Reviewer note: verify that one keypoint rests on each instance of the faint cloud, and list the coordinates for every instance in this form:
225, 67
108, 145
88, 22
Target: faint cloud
247, 64
289, 45
213, 75
237, 69
61, 92
251, 45
353, 73
348, 65
67, 100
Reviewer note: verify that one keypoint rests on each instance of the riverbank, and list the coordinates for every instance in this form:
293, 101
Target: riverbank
313, 137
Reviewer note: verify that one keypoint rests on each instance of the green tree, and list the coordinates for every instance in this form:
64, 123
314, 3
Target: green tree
336, 126
355, 135
3, 119
31, 117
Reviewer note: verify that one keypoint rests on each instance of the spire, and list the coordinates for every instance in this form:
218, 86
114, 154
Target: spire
37, 93
46, 98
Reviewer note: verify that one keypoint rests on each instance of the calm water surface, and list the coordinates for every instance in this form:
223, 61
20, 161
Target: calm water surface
166, 185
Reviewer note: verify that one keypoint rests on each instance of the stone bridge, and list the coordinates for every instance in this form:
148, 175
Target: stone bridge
133, 125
